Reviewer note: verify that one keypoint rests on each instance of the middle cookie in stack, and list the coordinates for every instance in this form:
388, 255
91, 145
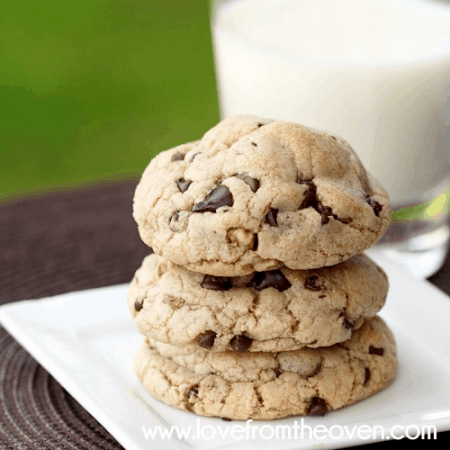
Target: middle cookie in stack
257, 303
278, 310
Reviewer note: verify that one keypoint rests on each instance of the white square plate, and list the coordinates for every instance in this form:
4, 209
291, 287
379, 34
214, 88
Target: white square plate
87, 341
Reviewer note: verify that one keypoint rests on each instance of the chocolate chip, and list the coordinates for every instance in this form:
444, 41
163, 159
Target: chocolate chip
216, 283
192, 392
173, 302
324, 219
138, 305
226, 419
177, 157
254, 144
243, 281
179, 221
260, 125
309, 199
220, 196
277, 371
366, 375
348, 324
316, 370
173, 221
376, 351
325, 211
252, 182
194, 155
317, 407
334, 138
255, 242
311, 283
322, 296
309, 183
375, 206
183, 184
345, 221
271, 217
207, 340
272, 278
320, 208
241, 343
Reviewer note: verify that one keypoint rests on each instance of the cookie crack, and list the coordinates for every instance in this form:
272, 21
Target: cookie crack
260, 400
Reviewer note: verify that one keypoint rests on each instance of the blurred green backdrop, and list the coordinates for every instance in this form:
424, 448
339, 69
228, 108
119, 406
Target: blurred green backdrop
94, 88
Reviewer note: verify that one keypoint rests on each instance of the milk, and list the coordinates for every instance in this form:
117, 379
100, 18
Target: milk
376, 72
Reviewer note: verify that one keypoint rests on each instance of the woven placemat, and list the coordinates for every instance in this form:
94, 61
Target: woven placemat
50, 245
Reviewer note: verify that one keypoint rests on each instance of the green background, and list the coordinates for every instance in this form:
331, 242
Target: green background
92, 89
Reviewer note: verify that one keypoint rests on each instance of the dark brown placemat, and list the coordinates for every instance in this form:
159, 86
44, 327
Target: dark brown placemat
50, 245
54, 244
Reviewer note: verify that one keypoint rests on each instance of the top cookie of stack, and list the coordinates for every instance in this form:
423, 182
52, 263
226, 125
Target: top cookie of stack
255, 195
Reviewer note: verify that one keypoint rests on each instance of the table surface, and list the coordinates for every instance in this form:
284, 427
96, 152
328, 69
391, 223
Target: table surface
61, 242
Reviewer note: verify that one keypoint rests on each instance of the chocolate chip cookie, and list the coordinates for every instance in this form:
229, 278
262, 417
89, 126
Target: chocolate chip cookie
255, 195
275, 310
268, 386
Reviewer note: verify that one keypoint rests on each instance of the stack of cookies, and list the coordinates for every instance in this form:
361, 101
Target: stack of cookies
255, 299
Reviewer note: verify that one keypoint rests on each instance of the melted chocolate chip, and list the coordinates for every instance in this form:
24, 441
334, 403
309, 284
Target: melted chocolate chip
311, 283
309, 183
317, 407
207, 340
220, 196
254, 144
348, 324
177, 157
272, 278
192, 392
375, 206
226, 419
241, 343
277, 371
271, 217
376, 351
366, 375
173, 221
216, 283
345, 220
324, 219
255, 242
260, 125
183, 184
138, 305
194, 155
317, 369
326, 210
309, 199
252, 182
243, 281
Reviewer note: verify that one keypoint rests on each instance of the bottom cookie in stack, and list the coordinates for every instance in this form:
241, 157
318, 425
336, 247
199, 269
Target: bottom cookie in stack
265, 386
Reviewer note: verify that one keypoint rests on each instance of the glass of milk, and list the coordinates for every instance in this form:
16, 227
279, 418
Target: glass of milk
376, 72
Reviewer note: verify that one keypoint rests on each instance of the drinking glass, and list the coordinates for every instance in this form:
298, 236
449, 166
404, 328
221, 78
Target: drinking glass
376, 72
